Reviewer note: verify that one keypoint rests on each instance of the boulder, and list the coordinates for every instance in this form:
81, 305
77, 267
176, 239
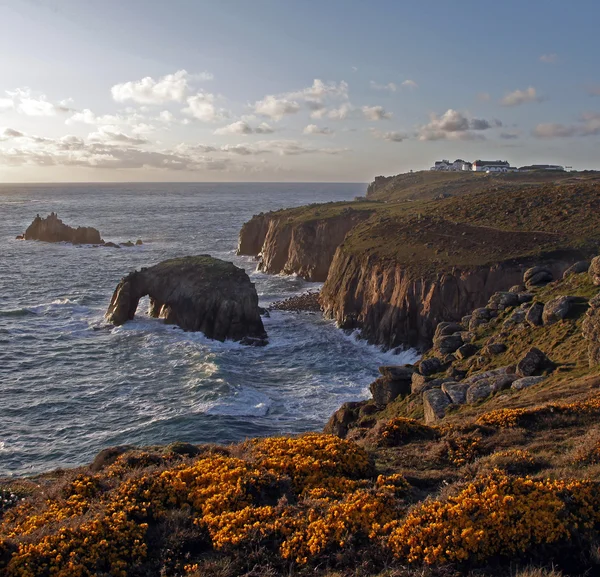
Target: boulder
456, 391
430, 366
447, 344
534, 314
127, 244
516, 318
526, 382
508, 370
537, 276
535, 362
197, 293
342, 420
591, 331
111, 245
397, 372
419, 383
52, 229
139, 242
385, 390
524, 297
108, 456
455, 373
466, 351
503, 300
494, 349
556, 309
446, 328
435, 403
577, 268
594, 271
477, 391
518, 288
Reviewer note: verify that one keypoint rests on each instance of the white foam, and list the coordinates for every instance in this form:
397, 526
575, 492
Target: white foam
243, 402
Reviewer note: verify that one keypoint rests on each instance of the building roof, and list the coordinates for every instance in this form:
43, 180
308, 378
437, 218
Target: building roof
491, 163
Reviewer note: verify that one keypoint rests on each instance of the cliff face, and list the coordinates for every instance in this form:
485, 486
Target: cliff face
393, 307
52, 229
289, 246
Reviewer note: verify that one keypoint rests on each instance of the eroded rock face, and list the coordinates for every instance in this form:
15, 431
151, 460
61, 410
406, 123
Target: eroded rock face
395, 382
52, 229
197, 293
591, 330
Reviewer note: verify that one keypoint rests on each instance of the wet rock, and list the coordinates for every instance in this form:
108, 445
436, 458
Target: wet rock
309, 301
556, 309
535, 362
594, 271
53, 229
111, 245
534, 314
466, 351
537, 276
435, 403
577, 268
127, 244
456, 391
430, 366
447, 344
526, 382
197, 293
139, 242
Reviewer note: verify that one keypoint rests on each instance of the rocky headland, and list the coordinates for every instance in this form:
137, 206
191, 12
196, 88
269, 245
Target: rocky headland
197, 293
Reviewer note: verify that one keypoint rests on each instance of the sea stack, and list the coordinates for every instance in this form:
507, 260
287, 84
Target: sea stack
197, 293
52, 229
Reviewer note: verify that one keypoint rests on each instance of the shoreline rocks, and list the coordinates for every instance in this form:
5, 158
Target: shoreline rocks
197, 293
306, 302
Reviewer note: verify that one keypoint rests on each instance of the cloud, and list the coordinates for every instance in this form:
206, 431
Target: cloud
170, 88
519, 97
6, 104
589, 125
391, 136
375, 113
166, 117
510, 135
410, 84
455, 125
9, 134
340, 113
389, 86
202, 107
549, 58
23, 100
111, 135
242, 127
314, 129
86, 116
280, 147
276, 107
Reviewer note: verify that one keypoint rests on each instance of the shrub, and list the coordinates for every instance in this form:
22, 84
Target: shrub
401, 430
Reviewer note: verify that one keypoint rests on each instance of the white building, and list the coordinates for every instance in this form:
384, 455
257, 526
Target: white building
492, 166
456, 166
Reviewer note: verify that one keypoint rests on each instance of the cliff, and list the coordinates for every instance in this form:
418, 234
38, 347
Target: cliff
297, 241
197, 293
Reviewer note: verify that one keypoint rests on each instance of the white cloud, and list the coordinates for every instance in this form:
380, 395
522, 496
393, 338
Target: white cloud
166, 117
243, 127
390, 136
389, 86
202, 107
374, 113
86, 116
314, 129
455, 125
111, 134
519, 97
170, 88
589, 125
340, 113
410, 84
280, 147
549, 58
6, 104
276, 107
24, 101
9, 134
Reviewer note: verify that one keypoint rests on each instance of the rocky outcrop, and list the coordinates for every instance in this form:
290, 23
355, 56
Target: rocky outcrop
197, 293
53, 229
394, 382
591, 330
296, 246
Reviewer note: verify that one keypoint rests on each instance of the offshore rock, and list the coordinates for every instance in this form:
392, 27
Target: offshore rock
52, 229
197, 293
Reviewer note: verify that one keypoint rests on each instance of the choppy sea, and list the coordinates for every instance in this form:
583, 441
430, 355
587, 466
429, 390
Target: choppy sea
70, 385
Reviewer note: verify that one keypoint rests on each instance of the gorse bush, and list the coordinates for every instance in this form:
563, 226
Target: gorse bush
297, 500
402, 430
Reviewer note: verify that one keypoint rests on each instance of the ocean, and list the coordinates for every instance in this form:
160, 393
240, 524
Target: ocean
70, 385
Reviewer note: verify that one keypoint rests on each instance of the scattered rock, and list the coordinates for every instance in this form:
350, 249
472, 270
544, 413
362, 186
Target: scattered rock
397, 372
456, 374
594, 271
309, 301
517, 317
435, 403
111, 245
445, 329
456, 391
341, 421
503, 300
139, 242
577, 268
518, 288
385, 389
448, 344
127, 244
466, 351
479, 390
534, 314
524, 297
52, 229
494, 349
591, 331
525, 382
430, 366
535, 362
197, 293
556, 309
537, 276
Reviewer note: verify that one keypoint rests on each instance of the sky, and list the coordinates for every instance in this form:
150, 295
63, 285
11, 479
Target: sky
292, 90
